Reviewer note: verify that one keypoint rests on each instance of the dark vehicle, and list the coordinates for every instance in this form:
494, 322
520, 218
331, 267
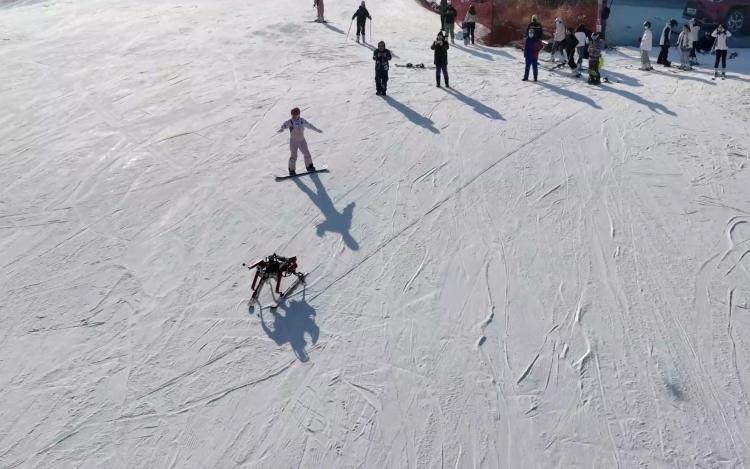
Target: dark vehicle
732, 13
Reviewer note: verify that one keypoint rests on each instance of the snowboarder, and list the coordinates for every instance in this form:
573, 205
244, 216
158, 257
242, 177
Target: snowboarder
558, 39
381, 56
362, 16
440, 46
319, 5
665, 41
450, 21
695, 34
469, 24
595, 53
583, 40
296, 126
720, 45
532, 46
273, 266
684, 44
646, 45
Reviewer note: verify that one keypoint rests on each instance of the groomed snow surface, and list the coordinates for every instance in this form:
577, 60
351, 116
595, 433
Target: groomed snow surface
505, 275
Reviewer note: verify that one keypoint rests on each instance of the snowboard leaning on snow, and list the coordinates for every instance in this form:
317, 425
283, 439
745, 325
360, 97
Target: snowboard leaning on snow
287, 176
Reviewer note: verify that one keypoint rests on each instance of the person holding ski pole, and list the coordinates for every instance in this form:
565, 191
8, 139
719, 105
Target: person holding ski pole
646, 45
362, 16
532, 46
296, 127
664, 42
381, 56
720, 46
440, 46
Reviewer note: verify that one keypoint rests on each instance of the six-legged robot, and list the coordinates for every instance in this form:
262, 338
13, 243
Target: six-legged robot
277, 267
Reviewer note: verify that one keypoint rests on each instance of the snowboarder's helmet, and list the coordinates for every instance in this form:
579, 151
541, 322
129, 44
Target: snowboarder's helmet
295, 111
647, 24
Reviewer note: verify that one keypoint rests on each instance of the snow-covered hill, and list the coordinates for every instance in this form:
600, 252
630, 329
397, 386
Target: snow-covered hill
505, 275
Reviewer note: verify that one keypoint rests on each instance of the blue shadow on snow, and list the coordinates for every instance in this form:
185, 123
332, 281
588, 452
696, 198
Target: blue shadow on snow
412, 115
297, 321
335, 222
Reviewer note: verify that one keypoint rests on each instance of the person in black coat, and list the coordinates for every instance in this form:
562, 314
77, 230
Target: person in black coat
450, 21
362, 16
570, 43
381, 56
440, 46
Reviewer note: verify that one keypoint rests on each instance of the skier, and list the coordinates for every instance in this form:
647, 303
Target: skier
440, 46
581, 48
319, 5
595, 52
646, 45
296, 126
362, 15
381, 56
470, 23
684, 45
558, 39
532, 46
720, 45
569, 45
665, 41
273, 266
695, 34
450, 21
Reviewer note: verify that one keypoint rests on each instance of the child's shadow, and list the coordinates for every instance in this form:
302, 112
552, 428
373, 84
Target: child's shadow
335, 222
296, 320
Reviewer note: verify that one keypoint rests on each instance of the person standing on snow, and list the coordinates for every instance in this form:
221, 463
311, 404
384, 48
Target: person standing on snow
440, 46
362, 16
695, 34
720, 45
381, 56
319, 5
664, 42
569, 45
450, 21
581, 48
532, 46
558, 39
647, 41
604, 16
296, 126
470, 23
684, 45
595, 52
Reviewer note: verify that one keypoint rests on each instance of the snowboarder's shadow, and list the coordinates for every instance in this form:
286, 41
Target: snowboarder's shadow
481, 108
292, 325
570, 94
335, 222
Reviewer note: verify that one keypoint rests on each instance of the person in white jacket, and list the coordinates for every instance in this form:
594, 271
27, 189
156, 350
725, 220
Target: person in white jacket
647, 42
296, 127
469, 24
720, 45
558, 39
695, 34
583, 42
684, 45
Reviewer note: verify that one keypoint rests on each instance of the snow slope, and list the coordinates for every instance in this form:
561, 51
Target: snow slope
505, 275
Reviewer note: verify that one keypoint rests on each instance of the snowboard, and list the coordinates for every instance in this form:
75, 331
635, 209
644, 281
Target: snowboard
322, 169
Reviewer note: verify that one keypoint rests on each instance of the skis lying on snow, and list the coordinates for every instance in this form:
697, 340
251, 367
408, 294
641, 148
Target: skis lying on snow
289, 290
319, 170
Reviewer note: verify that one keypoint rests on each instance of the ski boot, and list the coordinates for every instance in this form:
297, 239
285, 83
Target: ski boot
310, 168
723, 75
716, 74
292, 172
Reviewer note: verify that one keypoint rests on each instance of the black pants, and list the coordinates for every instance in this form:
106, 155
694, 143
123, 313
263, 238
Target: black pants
360, 28
470, 27
721, 55
571, 58
693, 49
663, 58
381, 81
444, 68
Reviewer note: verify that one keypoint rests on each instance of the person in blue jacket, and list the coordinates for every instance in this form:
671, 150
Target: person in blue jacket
532, 46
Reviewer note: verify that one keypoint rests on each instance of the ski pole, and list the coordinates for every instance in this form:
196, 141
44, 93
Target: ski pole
350, 30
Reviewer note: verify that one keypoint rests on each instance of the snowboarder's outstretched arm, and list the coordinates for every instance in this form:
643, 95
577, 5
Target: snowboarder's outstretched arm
311, 127
284, 126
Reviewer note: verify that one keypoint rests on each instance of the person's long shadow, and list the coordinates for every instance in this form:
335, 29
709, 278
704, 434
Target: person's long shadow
570, 94
482, 109
334, 28
473, 52
624, 79
297, 321
493, 50
655, 107
413, 115
335, 222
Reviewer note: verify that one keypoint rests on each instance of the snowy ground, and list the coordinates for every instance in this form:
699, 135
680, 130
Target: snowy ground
505, 275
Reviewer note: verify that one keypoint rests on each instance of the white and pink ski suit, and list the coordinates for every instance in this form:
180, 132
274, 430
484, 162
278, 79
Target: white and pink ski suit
296, 127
